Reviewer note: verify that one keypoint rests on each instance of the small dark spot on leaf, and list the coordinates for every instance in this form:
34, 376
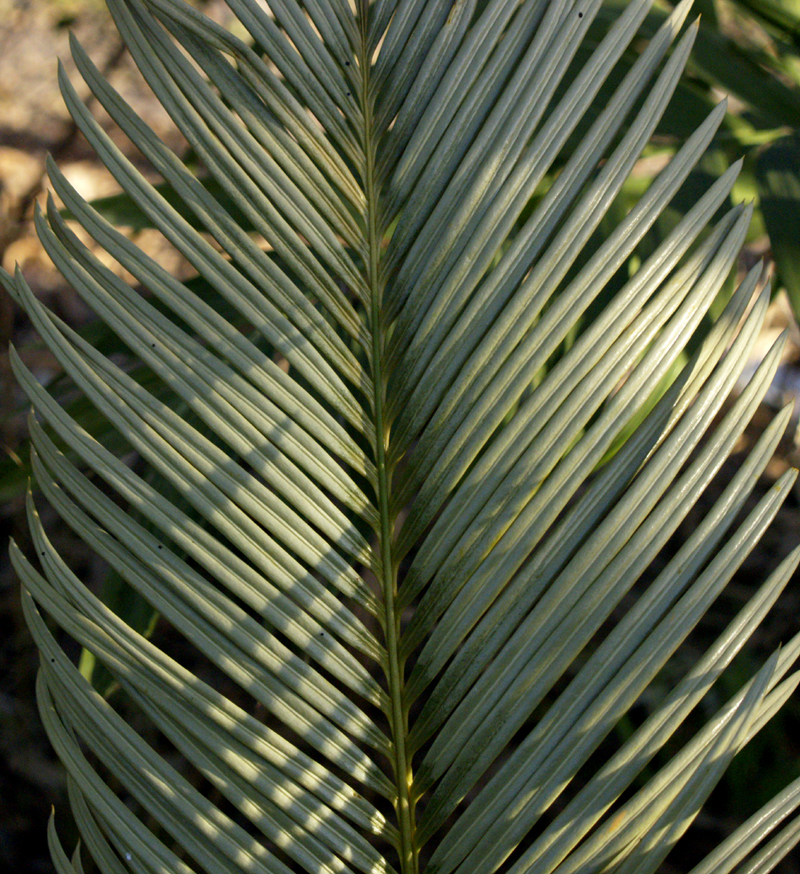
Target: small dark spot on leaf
52, 660
152, 345
348, 93
42, 553
160, 546
347, 63
580, 15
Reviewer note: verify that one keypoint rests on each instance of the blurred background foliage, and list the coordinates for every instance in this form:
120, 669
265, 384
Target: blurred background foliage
747, 50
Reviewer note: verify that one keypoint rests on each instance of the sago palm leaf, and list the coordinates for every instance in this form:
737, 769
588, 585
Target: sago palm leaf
408, 532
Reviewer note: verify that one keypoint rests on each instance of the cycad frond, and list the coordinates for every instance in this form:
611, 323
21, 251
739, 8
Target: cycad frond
436, 445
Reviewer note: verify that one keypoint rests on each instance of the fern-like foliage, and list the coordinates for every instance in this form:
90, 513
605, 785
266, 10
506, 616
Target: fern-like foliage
407, 449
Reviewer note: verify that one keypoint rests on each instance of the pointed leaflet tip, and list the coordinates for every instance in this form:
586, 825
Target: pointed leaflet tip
680, 12
50, 203
7, 282
63, 76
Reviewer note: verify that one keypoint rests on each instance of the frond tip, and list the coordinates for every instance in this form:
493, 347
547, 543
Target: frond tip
402, 467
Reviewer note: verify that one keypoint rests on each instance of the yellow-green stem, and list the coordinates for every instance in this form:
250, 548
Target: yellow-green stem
409, 859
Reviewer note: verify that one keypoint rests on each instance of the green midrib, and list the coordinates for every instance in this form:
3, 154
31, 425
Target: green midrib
409, 860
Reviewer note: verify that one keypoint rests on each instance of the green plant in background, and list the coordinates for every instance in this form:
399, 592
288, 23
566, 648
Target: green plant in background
390, 487
750, 50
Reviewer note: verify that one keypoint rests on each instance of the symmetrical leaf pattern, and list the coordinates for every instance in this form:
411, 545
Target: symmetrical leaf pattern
420, 438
